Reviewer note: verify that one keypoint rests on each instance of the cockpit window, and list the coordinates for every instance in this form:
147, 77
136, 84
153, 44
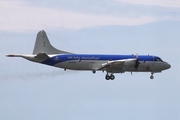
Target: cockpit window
159, 59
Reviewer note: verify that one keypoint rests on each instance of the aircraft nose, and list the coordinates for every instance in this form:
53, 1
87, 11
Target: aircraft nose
168, 66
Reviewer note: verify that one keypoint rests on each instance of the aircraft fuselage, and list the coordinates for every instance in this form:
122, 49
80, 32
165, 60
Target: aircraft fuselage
147, 63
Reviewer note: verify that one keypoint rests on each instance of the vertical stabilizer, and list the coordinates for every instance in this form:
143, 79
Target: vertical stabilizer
42, 45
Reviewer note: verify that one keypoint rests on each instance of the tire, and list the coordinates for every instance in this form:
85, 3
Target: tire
112, 77
107, 77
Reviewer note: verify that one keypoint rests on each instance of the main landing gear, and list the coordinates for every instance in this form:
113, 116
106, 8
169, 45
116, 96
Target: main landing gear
110, 76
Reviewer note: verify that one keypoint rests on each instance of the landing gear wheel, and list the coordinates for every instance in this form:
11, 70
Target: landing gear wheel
107, 77
152, 77
94, 71
112, 77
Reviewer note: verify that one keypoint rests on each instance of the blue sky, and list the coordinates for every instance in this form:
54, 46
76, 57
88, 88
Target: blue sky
34, 91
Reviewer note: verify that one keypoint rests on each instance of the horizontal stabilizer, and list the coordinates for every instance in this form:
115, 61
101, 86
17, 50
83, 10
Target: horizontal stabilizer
12, 55
36, 58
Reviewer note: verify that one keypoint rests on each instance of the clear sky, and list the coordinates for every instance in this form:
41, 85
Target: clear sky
31, 91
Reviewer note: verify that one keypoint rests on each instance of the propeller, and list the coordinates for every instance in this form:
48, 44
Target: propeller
137, 62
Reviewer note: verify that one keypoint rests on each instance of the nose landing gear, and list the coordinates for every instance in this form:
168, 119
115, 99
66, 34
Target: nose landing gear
109, 76
152, 77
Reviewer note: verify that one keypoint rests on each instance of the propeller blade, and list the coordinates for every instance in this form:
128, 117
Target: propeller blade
137, 62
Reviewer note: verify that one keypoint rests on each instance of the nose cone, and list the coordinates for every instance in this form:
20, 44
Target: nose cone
167, 66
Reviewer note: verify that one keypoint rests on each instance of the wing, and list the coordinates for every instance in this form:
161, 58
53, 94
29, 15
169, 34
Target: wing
117, 65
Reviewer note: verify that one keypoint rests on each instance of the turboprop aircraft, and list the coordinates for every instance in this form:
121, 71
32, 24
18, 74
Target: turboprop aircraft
45, 53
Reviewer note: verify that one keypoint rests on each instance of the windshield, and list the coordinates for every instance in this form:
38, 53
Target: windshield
159, 59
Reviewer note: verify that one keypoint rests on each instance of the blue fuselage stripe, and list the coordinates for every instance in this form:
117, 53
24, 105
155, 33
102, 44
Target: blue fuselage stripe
91, 57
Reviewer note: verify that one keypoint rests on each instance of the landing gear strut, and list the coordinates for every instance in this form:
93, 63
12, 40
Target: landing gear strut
111, 76
152, 77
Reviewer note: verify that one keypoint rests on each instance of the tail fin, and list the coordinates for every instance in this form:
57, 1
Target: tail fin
42, 45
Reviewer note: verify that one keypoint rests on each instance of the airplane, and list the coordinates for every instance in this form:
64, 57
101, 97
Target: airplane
45, 53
